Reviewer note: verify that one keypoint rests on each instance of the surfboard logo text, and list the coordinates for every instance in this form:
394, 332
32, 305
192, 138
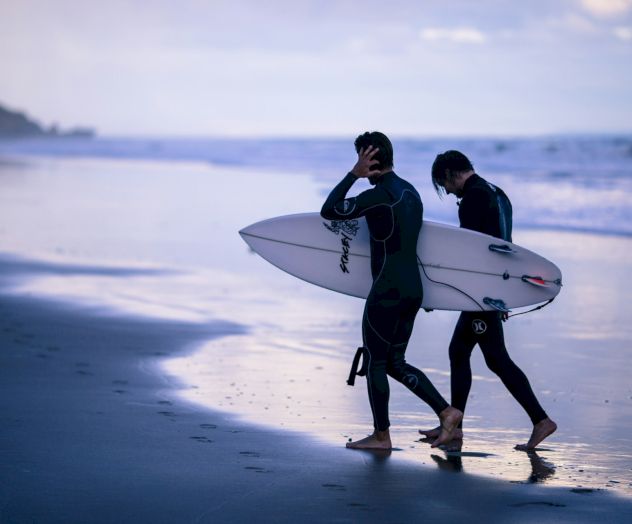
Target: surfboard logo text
344, 258
350, 227
347, 229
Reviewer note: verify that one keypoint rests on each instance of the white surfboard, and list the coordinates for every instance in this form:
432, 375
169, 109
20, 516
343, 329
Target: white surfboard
461, 270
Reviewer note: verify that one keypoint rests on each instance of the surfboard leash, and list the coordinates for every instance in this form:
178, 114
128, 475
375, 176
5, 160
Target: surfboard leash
531, 310
475, 301
449, 285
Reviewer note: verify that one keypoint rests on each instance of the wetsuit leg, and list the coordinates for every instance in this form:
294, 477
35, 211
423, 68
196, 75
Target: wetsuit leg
397, 367
461, 346
378, 326
492, 344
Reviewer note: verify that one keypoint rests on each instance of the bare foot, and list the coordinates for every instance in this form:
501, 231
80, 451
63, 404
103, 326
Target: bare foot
379, 440
541, 430
450, 418
434, 433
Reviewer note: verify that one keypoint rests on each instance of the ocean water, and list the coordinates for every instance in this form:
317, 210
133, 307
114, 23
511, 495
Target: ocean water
149, 227
578, 183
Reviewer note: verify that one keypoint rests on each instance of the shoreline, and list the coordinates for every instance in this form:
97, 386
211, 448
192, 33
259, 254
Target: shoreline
321, 178
93, 431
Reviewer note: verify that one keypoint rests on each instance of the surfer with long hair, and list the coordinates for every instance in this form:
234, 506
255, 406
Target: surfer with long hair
485, 208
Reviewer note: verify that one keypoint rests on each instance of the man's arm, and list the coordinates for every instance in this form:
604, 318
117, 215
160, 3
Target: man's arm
337, 207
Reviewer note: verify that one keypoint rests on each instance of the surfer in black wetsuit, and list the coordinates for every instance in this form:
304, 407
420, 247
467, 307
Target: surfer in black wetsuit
393, 211
485, 208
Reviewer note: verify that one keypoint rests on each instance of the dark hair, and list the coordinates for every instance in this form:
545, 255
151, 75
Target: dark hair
376, 139
450, 163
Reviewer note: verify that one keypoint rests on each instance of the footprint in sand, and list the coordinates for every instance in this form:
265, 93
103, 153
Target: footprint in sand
538, 503
253, 454
335, 487
257, 469
358, 505
582, 490
167, 413
202, 440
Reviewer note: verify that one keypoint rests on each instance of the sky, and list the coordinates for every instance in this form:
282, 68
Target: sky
320, 68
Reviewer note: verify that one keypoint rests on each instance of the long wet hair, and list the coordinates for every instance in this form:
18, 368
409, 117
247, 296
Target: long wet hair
449, 164
376, 139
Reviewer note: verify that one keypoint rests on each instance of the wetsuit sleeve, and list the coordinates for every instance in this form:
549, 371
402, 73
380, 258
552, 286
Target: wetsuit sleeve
474, 212
337, 207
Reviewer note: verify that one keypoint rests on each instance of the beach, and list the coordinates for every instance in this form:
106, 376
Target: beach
154, 370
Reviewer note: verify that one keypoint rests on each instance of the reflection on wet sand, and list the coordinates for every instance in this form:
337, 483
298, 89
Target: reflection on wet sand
541, 468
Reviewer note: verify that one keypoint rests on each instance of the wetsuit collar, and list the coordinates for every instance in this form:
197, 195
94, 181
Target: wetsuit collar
385, 176
470, 182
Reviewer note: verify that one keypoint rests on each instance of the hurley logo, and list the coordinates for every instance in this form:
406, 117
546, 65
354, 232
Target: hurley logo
478, 326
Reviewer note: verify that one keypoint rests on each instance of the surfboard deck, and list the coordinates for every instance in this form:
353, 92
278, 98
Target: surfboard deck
461, 270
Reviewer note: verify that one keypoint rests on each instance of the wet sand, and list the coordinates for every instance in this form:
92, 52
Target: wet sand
290, 371
94, 431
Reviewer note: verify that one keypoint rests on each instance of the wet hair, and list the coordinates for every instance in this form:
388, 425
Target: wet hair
448, 164
376, 139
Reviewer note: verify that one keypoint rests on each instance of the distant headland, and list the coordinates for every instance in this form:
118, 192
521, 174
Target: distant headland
14, 124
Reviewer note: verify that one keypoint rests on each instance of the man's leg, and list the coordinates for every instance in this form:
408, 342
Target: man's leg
377, 327
492, 343
414, 379
460, 351
397, 367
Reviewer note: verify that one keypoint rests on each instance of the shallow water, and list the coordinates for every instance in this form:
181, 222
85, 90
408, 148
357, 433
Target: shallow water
159, 239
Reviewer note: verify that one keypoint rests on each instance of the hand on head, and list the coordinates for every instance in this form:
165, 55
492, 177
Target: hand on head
366, 165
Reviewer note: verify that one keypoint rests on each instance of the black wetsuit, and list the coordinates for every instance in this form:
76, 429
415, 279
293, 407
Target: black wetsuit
393, 212
485, 208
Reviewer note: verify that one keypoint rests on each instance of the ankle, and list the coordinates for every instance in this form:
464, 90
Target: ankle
382, 435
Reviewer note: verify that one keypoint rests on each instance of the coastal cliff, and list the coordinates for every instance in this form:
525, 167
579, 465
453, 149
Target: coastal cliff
14, 124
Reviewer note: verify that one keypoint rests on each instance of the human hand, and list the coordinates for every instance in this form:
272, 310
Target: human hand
366, 164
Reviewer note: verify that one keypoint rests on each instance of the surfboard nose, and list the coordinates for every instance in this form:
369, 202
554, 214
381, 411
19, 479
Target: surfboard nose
244, 234
249, 235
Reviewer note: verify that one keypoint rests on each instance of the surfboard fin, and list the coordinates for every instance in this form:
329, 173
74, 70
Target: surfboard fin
497, 304
536, 281
501, 248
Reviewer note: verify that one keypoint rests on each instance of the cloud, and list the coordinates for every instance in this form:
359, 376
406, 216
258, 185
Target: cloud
461, 35
607, 8
623, 33
579, 24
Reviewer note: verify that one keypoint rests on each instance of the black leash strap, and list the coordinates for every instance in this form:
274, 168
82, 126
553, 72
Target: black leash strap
531, 310
354, 367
